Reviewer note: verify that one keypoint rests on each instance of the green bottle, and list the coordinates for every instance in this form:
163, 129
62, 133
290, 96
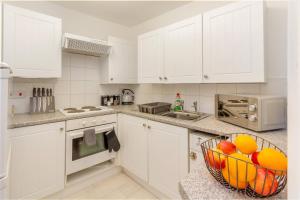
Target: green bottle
178, 103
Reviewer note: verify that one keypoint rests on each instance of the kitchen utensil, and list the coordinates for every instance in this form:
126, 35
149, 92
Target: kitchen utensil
211, 145
127, 96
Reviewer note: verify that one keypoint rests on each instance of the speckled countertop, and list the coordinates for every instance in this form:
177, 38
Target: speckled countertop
199, 184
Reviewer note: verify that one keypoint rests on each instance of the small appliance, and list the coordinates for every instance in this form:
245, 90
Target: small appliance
127, 97
254, 112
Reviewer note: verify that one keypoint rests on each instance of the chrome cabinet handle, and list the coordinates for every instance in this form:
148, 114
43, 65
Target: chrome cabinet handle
149, 127
166, 78
111, 79
160, 78
205, 76
61, 129
144, 125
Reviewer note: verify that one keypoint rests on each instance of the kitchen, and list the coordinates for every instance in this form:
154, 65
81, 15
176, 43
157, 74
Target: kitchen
93, 72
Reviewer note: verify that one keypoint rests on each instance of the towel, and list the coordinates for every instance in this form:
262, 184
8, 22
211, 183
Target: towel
112, 141
89, 137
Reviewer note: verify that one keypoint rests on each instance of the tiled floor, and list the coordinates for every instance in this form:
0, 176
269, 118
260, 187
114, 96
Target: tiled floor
119, 186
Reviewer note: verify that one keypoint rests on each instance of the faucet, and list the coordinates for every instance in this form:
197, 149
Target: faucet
195, 106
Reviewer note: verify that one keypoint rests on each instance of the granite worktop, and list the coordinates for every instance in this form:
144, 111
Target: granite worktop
199, 184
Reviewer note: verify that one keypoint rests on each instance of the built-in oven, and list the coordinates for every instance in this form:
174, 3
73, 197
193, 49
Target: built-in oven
80, 156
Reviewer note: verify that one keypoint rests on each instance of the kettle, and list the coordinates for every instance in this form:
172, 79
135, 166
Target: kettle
127, 96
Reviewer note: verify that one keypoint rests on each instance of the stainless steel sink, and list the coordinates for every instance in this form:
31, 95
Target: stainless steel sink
185, 115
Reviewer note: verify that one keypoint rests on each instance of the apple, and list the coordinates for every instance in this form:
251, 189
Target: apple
254, 158
227, 147
265, 182
215, 159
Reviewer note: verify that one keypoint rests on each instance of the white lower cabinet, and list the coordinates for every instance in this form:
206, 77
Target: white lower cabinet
37, 161
155, 152
133, 145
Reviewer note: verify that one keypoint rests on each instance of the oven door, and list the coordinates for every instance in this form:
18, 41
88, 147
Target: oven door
79, 156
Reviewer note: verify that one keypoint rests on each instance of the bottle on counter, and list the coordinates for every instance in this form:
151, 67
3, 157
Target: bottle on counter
178, 103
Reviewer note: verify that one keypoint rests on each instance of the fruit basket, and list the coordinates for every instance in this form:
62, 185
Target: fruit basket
256, 168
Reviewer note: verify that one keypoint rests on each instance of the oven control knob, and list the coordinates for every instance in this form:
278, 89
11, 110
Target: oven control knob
252, 107
252, 118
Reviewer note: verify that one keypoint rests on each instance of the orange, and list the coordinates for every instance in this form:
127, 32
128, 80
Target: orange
233, 182
239, 165
265, 182
245, 144
215, 158
271, 158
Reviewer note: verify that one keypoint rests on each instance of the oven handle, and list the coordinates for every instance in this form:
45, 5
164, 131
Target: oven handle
97, 131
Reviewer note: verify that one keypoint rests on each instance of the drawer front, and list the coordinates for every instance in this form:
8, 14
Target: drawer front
90, 121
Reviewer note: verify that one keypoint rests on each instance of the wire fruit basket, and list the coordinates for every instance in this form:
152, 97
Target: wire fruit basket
247, 178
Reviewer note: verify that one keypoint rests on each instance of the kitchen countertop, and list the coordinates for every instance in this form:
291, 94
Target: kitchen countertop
197, 184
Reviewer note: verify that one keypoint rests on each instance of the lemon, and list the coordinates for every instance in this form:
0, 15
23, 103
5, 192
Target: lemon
245, 144
271, 158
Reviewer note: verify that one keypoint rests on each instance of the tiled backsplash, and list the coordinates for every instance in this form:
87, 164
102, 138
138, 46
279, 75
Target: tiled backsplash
80, 85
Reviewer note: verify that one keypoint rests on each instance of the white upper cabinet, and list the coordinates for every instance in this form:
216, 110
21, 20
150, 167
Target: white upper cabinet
183, 51
31, 43
233, 41
150, 57
121, 64
172, 54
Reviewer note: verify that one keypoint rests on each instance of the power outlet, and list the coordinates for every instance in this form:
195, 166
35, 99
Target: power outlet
17, 94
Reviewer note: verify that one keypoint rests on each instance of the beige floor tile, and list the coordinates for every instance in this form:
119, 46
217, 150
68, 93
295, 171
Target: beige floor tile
116, 187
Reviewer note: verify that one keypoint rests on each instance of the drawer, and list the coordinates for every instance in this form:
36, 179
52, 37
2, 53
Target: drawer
90, 121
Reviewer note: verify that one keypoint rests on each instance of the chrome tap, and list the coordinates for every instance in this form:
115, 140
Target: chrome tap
195, 106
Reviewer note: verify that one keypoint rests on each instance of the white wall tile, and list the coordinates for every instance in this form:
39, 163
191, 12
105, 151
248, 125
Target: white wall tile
248, 88
77, 100
78, 73
276, 86
207, 104
208, 90
62, 101
77, 87
92, 99
92, 62
62, 87
91, 87
226, 88
77, 60
92, 74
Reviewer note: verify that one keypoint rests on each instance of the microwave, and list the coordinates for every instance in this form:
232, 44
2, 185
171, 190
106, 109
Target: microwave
254, 112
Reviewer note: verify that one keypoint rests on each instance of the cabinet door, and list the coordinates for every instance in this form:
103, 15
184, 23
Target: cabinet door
183, 51
168, 157
134, 145
150, 57
233, 41
122, 61
37, 161
32, 43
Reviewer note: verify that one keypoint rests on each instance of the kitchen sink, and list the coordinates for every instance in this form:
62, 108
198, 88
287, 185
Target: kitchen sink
185, 115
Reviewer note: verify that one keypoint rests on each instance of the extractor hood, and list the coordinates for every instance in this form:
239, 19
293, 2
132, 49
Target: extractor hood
84, 45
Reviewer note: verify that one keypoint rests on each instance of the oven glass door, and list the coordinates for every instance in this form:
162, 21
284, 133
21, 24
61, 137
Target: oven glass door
81, 150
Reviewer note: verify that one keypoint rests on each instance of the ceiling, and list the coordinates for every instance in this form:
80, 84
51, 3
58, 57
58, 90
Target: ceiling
127, 13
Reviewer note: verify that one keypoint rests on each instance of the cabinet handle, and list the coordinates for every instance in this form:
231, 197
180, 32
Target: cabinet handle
149, 127
111, 79
61, 129
166, 78
193, 155
144, 125
160, 78
205, 76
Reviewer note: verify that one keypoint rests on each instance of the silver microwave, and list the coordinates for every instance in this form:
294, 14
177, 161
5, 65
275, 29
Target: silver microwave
254, 112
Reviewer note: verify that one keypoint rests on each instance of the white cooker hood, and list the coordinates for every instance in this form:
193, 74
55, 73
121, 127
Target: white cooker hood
84, 45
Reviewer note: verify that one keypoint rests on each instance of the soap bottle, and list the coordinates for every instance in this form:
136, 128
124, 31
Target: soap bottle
178, 103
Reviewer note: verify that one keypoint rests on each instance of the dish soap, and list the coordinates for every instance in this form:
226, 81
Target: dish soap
178, 103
